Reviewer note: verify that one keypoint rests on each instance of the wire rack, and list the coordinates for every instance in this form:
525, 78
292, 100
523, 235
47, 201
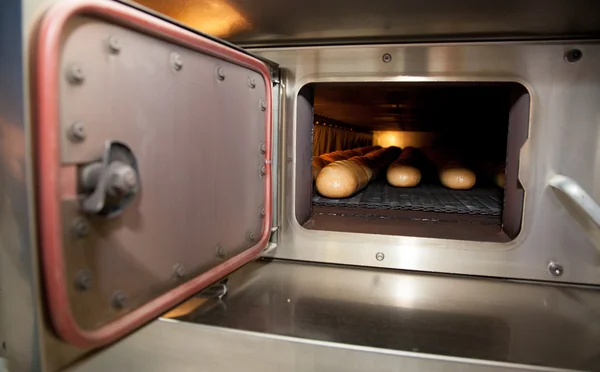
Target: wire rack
427, 198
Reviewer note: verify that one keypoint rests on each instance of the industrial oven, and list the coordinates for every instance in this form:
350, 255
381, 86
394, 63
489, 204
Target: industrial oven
159, 208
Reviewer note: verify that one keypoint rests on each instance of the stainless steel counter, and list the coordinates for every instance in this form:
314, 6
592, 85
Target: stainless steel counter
298, 317
453, 316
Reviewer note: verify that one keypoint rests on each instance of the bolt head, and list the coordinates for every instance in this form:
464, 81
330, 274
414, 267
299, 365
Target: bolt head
118, 300
81, 227
263, 105
220, 251
123, 180
262, 213
83, 280
555, 268
251, 236
114, 45
179, 271
220, 74
573, 55
263, 170
77, 132
75, 74
380, 256
252, 83
386, 58
263, 148
176, 61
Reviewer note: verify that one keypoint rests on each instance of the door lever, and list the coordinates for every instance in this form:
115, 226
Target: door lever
113, 181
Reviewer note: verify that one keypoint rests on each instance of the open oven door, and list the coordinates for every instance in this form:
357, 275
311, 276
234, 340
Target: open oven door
153, 165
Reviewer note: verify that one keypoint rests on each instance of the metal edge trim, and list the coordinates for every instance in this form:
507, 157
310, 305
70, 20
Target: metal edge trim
361, 348
48, 167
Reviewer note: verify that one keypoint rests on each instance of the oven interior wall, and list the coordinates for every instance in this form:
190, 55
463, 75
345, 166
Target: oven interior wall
487, 123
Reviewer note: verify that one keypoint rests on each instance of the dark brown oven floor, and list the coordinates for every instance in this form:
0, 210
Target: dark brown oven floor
407, 223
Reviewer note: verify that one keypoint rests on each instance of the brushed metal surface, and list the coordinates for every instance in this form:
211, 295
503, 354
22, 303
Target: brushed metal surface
197, 137
167, 345
563, 139
311, 22
477, 318
20, 349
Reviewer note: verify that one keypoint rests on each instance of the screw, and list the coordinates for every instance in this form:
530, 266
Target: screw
386, 58
114, 45
573, 55
252, 82
379, 256
81, 227
263, 170
555, 268
76, 132
251, 236
176, 61
262, 213
220, 74
220, 252
83, 280
179, 270
263, 148
75, 74
263, 105
118, 300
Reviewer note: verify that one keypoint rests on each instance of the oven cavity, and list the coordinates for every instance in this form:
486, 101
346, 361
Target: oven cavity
431, 159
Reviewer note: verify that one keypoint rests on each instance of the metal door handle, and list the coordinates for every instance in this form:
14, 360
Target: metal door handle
113, 181
571, 189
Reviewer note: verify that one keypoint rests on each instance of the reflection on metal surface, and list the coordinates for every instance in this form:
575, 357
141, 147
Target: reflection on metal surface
465, 317
214, 17
311, 22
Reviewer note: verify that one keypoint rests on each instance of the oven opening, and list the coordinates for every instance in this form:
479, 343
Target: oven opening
432, 159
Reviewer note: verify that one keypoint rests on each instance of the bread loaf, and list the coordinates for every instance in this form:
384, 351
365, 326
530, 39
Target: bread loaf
452, 171
405, 170
319, 162
344, 178
499, 176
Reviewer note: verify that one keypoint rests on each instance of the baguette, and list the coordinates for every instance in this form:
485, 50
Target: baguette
319, 162
405, 171
452, 171
343, 178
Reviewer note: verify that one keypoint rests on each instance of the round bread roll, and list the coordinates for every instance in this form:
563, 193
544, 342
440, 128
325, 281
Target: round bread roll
403, 175
404, 172
457, 177
500, 177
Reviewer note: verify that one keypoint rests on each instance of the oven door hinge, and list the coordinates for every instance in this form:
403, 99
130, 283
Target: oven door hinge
275, 76
271, 245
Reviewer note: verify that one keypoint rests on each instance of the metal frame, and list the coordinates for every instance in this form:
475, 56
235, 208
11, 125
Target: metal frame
562, 139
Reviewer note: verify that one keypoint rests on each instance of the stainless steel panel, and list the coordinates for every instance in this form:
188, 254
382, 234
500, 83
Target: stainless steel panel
166, 345
563, 139
196, 130
19, 306
269, 22
425, 314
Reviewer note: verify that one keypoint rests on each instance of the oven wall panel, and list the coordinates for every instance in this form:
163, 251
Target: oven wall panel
563, 139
